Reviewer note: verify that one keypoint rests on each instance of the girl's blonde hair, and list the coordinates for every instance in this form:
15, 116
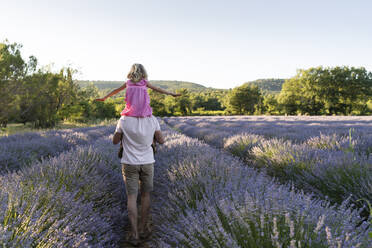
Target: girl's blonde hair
137, 73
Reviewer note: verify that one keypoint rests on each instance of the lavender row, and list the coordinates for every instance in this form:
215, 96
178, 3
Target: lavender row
212, 199
343, 138
73, 200
295, 128
19, 150
332, 166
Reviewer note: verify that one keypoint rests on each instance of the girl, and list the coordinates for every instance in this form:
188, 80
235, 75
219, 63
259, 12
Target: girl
136, 97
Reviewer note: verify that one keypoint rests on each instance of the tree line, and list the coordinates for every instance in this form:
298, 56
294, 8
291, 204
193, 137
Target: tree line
29, 94
315, 91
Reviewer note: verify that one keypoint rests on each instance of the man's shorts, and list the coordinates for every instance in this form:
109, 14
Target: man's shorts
134, 173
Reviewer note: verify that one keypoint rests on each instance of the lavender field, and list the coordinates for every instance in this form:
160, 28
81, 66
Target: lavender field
19, 150
205, 195
330, 157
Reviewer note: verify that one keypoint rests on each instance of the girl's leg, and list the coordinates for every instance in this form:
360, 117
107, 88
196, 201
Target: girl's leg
153, 145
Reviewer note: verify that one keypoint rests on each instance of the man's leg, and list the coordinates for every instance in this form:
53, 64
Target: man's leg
145, 209
146, 178
131, 176
132, 213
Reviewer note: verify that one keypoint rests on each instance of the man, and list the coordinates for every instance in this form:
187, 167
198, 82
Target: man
137, 134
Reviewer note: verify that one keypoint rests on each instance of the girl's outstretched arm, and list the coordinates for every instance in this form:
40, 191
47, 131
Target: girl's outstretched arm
115, 91
160, 90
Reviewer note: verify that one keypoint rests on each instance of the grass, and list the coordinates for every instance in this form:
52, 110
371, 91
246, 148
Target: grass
17, 128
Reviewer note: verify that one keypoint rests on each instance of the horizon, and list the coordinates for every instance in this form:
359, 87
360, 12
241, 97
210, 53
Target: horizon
211, 43
166, 80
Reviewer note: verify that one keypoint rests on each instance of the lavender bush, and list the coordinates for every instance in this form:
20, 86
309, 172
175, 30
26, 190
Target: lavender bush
212, 199
73, 200
19, 150
336, 164
204, 197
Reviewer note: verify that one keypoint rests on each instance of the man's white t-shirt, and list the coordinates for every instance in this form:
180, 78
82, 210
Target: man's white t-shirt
138, 134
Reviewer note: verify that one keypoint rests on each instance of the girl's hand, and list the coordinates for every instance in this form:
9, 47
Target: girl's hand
100, 99
176, 94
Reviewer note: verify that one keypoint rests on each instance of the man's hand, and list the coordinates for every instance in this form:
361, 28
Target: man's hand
159, 137
117, 137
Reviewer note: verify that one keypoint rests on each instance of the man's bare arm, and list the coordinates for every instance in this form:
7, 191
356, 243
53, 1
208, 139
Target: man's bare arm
117, 137
159, 137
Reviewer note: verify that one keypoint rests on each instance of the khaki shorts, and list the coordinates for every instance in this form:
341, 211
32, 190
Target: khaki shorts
134, 173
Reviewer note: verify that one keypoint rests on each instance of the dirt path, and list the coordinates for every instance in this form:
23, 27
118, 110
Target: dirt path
158, 197
127, 231
153, 222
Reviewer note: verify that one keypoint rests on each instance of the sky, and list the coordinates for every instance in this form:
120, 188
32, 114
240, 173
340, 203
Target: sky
219, 44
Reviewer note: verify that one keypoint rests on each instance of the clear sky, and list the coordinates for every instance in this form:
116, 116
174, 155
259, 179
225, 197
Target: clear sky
219, 44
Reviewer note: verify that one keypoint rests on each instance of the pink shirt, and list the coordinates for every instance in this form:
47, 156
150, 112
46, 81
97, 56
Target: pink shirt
137, 100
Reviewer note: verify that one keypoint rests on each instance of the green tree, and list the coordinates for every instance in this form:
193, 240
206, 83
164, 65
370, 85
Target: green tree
103, 110
157, 103
337, 90
81, 108
13, 69
211, 102
244, 99
197, 100
271, 105
45, 94
43, 97
170, 105
183, 102
207, 100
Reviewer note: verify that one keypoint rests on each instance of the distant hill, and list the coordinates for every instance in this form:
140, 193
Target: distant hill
270, 85
164, 84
